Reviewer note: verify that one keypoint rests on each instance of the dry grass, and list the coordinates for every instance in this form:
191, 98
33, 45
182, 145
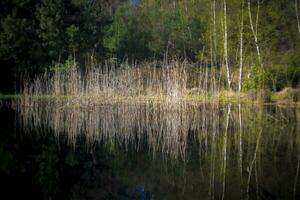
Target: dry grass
169, 83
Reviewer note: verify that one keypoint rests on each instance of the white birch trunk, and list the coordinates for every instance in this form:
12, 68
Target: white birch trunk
254, 32
241, 49
225, 46
214, 31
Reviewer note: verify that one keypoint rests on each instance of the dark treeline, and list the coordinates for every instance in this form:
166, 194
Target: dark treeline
254, 38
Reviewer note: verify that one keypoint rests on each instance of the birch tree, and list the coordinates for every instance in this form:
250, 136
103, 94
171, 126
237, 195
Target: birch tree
214, 31
255, 30
241, 48
226, 46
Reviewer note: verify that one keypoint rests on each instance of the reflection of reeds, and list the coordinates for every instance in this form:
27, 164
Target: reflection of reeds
166, 127
235, 142
128, 124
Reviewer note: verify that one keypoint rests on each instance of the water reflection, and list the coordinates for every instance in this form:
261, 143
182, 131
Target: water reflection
184, 150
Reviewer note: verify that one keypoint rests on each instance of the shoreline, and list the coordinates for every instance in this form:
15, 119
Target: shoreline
223, 97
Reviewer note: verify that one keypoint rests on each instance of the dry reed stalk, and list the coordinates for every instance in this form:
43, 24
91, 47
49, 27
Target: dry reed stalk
167, 82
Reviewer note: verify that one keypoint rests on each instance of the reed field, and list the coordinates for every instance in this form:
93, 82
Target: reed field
167, 82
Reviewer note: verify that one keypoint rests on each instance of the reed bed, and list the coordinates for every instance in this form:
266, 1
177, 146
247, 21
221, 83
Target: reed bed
168, 82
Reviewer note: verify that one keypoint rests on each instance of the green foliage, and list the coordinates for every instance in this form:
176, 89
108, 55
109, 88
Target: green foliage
118, 29
283, 76
257, 79
14, 37
67, 66
50, 22
294, 70
287, 94
72, 32
152, 29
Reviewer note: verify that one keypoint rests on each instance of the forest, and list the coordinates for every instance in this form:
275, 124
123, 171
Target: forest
243, 45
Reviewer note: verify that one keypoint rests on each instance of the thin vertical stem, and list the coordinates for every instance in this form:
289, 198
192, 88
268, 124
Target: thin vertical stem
241, 48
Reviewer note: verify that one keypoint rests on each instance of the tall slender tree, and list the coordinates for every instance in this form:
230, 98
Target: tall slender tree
241, 47
255, 30
226, 46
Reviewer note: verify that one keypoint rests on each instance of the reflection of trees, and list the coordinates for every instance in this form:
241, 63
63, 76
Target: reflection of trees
236, 146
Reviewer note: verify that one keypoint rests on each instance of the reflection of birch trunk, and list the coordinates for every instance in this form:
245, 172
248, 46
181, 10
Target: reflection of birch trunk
206, 80
215, 121
254, 30
253, 162
296, 177
203, 133
256, 181
225, 150
240, 146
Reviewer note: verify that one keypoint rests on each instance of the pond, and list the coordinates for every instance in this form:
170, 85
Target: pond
149, 150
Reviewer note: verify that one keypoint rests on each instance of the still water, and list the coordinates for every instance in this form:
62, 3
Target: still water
49, 150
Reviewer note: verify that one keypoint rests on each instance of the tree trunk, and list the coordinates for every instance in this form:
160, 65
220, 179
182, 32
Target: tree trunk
254, 32
211, 40
214, 30
241, 48
225, 47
